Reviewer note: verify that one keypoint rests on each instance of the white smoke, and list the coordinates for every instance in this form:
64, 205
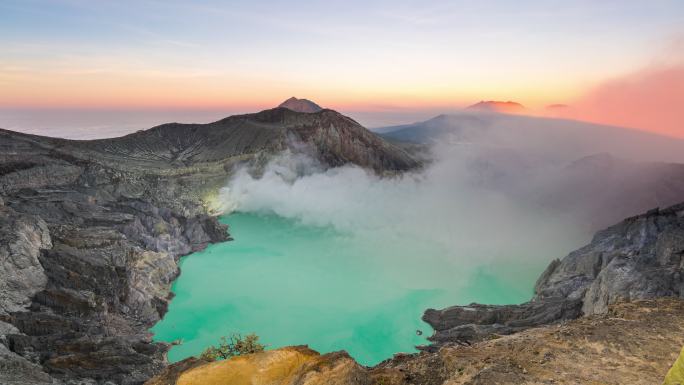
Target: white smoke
447, 205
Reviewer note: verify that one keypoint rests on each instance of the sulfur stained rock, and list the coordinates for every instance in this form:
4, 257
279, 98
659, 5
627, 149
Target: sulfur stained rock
292, 365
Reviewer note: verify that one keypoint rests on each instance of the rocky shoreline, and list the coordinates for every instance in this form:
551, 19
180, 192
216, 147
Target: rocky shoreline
618, 300
633, 343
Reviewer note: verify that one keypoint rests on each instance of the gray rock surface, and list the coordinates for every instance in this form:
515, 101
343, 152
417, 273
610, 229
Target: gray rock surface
21, 239
638, 258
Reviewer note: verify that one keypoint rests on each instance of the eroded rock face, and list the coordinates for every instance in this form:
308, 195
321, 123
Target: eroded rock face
86, 262
103, 288
21, 239
639, 258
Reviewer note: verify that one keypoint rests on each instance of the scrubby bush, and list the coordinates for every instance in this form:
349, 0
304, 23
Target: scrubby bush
233, 345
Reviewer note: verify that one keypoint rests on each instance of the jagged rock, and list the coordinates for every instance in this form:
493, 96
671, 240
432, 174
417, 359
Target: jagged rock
639, 258
21, 239
17, 370
467, 324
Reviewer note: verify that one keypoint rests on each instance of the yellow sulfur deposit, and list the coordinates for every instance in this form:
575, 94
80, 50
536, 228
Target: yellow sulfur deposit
676, 374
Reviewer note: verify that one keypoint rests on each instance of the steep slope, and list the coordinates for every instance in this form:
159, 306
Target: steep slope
334, 138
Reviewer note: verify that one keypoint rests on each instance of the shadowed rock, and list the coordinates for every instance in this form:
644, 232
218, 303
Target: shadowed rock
639, 258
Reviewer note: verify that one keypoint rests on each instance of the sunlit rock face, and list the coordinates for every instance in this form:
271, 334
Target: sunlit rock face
292, 365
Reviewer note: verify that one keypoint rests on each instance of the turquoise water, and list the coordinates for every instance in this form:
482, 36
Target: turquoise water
294, 284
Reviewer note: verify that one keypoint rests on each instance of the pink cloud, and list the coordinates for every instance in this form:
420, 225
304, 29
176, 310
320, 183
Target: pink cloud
651, 99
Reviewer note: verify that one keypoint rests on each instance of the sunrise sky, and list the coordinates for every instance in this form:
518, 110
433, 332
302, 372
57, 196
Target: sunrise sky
615, 62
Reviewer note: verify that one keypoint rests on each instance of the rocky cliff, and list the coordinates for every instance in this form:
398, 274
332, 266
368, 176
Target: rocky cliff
638, 258
91, 232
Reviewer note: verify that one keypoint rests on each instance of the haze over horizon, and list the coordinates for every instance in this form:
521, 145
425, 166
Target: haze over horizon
616, 62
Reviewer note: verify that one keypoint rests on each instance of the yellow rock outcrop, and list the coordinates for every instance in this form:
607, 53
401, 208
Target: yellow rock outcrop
676, 374
292, 365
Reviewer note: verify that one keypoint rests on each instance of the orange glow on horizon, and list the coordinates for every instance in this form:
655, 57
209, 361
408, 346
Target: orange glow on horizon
649, 100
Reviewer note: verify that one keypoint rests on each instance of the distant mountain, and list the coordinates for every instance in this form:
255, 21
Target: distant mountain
558, 111
599, 173
498, 106
300, 105
559, 139
332, 138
